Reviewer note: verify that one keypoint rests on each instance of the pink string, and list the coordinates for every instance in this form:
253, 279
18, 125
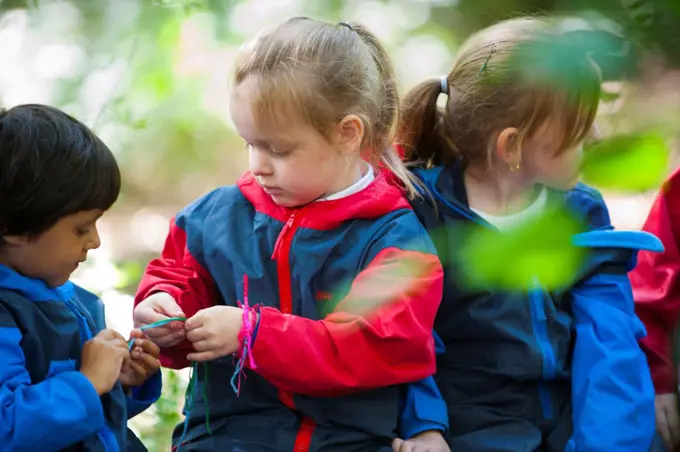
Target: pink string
249, 316
245, 336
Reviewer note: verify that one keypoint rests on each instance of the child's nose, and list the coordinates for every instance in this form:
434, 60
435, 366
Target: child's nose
258, 163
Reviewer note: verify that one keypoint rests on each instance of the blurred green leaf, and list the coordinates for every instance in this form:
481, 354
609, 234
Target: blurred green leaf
609, 96
166, 412
131, 272
634, 162
139, 124
541, 248
564, 60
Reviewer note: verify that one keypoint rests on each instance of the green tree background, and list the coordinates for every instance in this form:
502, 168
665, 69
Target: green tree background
152, 78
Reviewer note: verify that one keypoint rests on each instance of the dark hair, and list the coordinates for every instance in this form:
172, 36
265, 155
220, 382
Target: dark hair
322, 72
491, 86
51, 165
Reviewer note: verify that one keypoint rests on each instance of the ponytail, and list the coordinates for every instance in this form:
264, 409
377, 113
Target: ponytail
423, 130
495, 84
389, 108
385, 128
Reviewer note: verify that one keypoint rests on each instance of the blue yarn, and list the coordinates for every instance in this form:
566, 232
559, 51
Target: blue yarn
237, 371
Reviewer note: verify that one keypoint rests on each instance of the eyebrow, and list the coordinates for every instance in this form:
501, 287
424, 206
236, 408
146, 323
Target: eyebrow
93, 218
280, 141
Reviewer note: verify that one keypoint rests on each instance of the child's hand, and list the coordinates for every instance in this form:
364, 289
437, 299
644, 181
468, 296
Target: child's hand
143, 362
102, 359
156, 307
214, 332
668, 420
431, 441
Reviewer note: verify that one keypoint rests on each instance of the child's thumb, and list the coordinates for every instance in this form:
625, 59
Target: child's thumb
172, 309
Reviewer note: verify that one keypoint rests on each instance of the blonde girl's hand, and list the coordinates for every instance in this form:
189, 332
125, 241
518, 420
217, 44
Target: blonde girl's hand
214, 332
430, 441
157, 307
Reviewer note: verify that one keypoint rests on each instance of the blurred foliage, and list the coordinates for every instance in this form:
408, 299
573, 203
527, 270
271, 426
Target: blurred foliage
151, 76
562, 62
632, 162
158, 435
540, 250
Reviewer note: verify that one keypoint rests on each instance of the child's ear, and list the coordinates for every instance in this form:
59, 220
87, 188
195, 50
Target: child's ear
15, 240
507, 149
349, 134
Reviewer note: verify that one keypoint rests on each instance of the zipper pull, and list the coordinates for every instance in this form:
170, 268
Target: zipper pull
282, 234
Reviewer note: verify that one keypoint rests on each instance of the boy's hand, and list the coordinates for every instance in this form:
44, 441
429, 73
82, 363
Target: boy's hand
102, 359
156, 307
431, 441
214, 332
143, 362
668, 420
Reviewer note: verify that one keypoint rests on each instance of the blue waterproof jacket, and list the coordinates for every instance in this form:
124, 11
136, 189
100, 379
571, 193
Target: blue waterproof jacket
541, 370
46, 404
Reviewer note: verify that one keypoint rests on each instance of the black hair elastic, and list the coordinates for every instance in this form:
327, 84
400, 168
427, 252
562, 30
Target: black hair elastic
346, 25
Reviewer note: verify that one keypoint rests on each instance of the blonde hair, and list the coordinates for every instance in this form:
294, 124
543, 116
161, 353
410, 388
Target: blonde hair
498, 80
323, 72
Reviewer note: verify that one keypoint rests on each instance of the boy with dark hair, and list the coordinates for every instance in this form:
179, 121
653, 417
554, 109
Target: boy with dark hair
66, 382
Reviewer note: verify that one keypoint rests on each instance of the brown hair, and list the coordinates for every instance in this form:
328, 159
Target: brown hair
323, 72
498, 80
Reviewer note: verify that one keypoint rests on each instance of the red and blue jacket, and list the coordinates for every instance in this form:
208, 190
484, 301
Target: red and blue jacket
656, 285
46, 404
328, 376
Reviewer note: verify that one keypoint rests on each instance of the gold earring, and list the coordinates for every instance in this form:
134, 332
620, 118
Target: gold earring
515, 168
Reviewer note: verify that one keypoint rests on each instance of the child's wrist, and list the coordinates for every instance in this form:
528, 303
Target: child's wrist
251, 317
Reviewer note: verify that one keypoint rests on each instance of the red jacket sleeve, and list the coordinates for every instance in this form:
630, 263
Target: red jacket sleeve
178, 274
656, 287
379, 335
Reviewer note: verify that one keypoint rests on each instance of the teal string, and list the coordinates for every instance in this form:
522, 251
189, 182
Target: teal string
189, 402
160, 323
191, 387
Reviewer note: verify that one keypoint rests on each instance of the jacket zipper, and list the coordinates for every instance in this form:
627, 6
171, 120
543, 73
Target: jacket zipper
281, 254
539, 323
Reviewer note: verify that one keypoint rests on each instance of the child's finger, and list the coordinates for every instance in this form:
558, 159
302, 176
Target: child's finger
160, 332
147, 361
203, 345
121, 343
125, 367
168, 340
664, 430
198, 334
673, 425
146, 315
196, 321
148, 347
137, 334
138, 368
